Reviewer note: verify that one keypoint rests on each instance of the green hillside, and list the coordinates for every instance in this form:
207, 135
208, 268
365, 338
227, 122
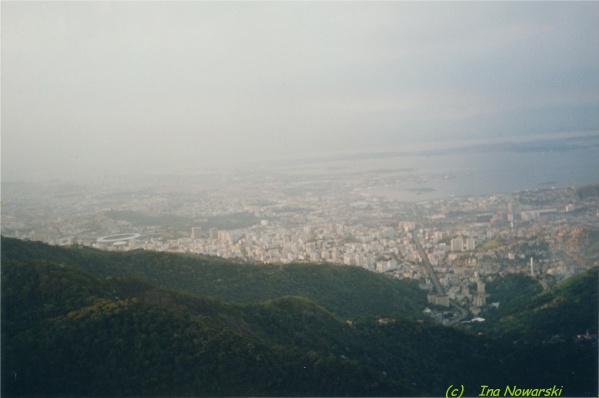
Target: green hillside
348, 291
567, 309
511, 291
66, 332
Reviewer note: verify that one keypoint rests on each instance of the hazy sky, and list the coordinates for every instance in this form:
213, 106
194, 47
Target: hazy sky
101, 87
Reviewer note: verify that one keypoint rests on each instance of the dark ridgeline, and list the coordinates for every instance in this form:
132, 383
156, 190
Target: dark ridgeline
77, 321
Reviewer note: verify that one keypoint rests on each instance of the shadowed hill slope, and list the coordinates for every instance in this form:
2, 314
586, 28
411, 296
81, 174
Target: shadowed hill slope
565, 310
347, 291
66, 332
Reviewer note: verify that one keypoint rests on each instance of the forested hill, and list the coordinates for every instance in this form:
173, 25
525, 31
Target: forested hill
527, 313
66, 332
348, 291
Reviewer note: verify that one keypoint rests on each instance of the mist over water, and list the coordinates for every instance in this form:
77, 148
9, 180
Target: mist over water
482, 170
95, 89
489, 173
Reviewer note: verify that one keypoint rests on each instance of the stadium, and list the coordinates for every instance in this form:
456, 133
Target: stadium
117, 240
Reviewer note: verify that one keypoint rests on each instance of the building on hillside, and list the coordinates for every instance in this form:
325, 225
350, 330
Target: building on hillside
438, 299
479, 299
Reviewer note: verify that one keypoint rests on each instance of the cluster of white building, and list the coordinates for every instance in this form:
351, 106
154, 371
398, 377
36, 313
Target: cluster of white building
375, 249
462, 244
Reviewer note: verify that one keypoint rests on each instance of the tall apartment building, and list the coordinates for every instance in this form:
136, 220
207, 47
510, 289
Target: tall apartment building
462, 245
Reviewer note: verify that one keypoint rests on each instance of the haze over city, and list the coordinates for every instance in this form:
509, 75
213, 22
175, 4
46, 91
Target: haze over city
276, 199
92, 89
